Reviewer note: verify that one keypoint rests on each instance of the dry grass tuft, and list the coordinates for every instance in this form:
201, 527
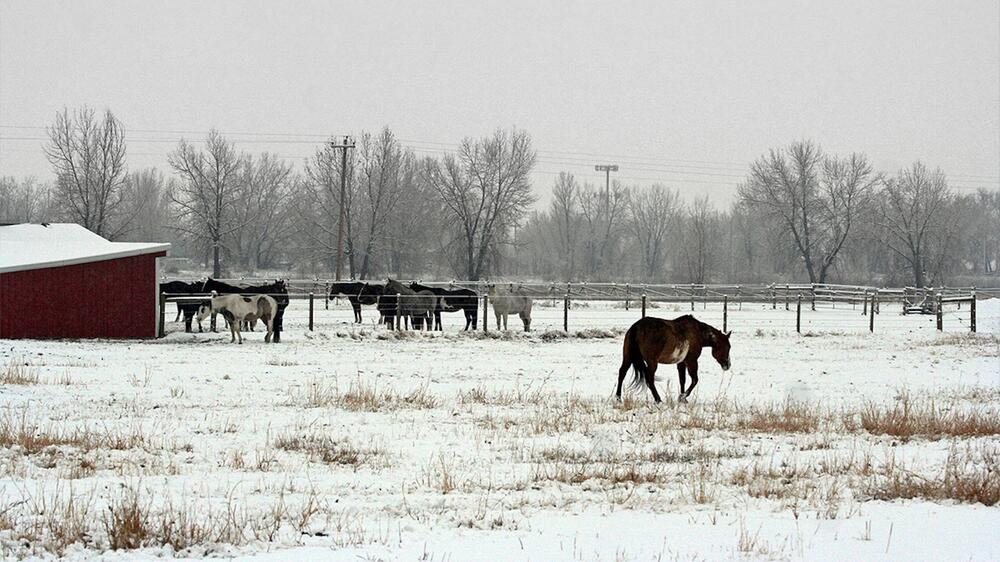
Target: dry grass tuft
324, 449
965, 477
19, 372
614, 473
19, 431
788, 417
362, 397
924, 418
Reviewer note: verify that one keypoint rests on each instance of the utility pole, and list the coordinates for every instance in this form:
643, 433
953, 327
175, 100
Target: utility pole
347, 142
607, 169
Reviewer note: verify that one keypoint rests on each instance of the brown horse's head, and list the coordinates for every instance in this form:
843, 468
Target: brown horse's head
720, 347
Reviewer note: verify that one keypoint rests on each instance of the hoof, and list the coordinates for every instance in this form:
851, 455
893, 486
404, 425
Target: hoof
682, 399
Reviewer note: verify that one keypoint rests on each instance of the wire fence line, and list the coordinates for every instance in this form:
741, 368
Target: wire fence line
600, 305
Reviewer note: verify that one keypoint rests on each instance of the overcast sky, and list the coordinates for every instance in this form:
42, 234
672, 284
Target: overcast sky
685, 94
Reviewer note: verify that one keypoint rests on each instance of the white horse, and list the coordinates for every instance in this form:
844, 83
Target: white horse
508, 300
237, 309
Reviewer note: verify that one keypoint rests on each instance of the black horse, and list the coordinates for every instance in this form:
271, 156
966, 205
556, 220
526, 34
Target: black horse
453, 300
186, 307
278, 290
387, 303
353, 291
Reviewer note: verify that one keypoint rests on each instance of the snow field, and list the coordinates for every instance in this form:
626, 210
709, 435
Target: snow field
352, 442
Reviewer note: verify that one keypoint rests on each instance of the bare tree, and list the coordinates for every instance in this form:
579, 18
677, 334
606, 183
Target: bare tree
565, 214
206, 197
912, 211
385, 170
88, 157
653, 213
319, 205
605, 216
261, 212
24, 201
147, 196
816, 199
700, 240
486, 190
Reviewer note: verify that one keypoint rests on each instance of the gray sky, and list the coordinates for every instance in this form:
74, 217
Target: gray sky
685, 94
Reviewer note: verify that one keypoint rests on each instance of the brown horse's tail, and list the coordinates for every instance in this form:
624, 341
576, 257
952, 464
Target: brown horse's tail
634, 356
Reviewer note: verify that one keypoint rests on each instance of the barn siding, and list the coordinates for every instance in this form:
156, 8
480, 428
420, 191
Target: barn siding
104, 299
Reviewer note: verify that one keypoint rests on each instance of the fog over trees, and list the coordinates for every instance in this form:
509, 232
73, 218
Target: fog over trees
801, 214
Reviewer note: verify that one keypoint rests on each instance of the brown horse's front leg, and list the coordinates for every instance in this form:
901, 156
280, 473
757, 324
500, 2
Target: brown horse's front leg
681, 378
692, 367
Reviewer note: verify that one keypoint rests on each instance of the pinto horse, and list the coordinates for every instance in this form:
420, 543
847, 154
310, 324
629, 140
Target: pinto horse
277, 290
652, 341
453, 300
238, 309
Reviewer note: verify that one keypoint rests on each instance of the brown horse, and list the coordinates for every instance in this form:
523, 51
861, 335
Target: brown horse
651, 341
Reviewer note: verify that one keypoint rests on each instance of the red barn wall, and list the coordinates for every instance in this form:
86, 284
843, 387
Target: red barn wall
113, 298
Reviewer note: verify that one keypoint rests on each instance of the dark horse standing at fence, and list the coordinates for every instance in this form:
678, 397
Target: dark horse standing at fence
278, 290
355, 295
186, 307
652, 341
453, 300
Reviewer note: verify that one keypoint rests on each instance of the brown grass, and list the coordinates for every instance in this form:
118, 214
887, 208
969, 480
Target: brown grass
362, 396
19, 431
577, 473
924, 418
324, 449
19, 372
51, 522
969, 477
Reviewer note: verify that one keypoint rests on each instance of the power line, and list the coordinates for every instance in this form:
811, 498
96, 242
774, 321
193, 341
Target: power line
974, 182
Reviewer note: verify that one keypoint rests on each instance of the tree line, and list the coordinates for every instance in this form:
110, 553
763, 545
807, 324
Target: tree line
799, 214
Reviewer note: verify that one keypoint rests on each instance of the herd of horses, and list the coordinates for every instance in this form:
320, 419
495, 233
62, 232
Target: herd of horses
649, 342
400, 306
419, 306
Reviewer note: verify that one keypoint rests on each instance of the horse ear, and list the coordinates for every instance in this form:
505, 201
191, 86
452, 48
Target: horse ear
729, 333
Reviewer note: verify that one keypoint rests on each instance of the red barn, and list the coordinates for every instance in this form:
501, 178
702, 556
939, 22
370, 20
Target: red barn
63, 281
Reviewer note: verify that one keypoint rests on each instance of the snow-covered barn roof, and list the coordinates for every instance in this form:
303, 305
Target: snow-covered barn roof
37, 246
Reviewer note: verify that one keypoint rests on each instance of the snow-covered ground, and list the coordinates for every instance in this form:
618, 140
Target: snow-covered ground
350, 443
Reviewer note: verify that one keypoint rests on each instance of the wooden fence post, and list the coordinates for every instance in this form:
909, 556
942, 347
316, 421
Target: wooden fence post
311, 311
864, 307
813, 289
940, 313
566, 313
871, 312
774, 299
725, 313
326, 296
787, 290
972, 312
798, 313
644, 305
628, 293
692, 296
486, 312
161, 324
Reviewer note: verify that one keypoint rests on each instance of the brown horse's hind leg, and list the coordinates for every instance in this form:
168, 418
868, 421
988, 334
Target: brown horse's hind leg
651, 380
622, 371
681, 378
